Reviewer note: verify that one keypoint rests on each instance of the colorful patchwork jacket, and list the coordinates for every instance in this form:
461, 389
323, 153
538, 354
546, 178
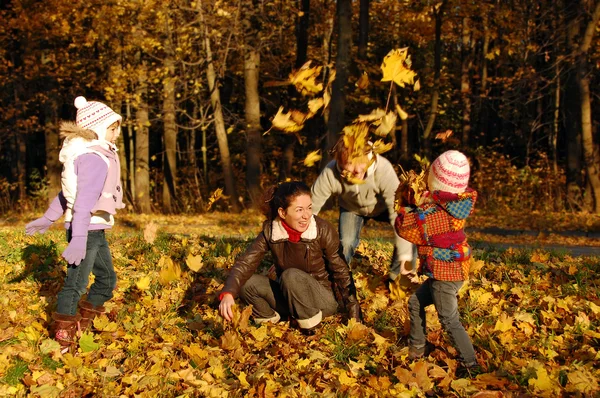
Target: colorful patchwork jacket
437, 228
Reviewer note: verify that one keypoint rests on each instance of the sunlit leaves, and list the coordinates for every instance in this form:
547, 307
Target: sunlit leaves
305, 79
312, 158
396, 67
289, 122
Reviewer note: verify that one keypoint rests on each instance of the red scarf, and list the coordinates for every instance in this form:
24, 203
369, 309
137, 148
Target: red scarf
294, 235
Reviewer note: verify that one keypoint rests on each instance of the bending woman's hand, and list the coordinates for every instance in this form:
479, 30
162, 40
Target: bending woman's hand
225, 306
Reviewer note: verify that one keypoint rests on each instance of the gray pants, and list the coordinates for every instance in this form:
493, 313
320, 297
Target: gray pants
295, 294
442, 294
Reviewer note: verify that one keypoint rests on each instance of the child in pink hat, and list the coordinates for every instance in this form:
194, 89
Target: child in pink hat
91, 194
437, 228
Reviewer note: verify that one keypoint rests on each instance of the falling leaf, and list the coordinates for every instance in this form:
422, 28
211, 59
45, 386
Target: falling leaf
443, 136
314, 105
396, 69
380, 147
312, 158
194, 263
388, 124
403, 115
289, 122
305, 79
169, 271
216, 195
230, 341
150, 232
375, 115
363, 81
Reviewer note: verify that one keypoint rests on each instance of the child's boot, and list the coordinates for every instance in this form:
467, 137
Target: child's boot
88, 313
65, 330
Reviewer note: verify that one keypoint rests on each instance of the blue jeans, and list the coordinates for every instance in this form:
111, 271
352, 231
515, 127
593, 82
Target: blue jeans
443, 295
98, 260
351, 224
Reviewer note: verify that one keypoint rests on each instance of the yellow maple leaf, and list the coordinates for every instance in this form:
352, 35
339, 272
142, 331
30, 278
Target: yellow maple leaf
403, 115
289, 122
104, 325
542, 381
143, 283
386, 125
346, 380
305, 79
396, 68
169, 271
312, 158
504, 324
303, 363
242, 379
380, 147
194, 262
375, 115
314, 105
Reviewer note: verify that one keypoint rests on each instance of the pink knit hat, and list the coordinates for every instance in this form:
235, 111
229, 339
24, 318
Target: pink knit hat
95, 116
449, 173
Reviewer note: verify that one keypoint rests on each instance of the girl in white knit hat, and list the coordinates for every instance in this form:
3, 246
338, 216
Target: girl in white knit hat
437, 228
91, 194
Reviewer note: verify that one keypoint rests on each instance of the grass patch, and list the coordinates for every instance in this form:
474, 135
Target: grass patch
15, 373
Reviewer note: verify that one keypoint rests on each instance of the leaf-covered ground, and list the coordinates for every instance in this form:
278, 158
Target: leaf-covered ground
532, 315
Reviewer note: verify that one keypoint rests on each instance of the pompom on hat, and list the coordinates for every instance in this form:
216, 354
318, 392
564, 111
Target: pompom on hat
95, 116
449, 173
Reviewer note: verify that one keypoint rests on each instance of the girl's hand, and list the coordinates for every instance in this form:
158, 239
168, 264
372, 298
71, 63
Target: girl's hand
225, 306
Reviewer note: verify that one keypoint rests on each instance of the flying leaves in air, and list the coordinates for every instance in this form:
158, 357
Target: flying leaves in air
312, 158
396, 67
216, 195
305, 79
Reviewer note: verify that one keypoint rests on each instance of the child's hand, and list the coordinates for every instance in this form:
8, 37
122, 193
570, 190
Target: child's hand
40, 225
75, 252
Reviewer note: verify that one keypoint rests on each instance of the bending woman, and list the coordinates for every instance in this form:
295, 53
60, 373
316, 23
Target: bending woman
308, 265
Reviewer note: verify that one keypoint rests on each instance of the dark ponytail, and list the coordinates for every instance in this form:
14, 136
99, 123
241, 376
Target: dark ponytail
281, 196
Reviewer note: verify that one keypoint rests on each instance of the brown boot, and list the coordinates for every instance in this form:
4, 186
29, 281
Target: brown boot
65, 330
88, 312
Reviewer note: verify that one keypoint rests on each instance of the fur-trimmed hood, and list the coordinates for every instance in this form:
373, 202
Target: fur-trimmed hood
78, 140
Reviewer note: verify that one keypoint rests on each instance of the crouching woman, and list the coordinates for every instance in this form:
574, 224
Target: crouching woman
309, 268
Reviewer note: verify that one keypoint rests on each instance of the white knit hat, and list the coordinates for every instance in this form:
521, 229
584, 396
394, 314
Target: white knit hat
95, 116
449, 173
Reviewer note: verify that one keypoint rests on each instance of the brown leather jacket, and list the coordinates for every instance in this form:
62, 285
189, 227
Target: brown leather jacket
317, 255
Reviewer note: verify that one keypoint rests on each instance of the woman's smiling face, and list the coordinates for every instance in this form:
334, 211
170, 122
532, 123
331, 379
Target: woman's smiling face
298, 213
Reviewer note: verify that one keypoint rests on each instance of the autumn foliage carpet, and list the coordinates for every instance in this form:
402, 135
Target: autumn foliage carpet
532, 315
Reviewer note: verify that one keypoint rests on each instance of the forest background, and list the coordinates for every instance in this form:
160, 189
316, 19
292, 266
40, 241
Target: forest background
199, 82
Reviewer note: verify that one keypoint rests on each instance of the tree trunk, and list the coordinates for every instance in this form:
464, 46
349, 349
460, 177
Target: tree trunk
215, 99
581, 47
363, 29
437, 67
142, 150
253, 130
52, 143
465, 81
342, 65
302, 32
170, 137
